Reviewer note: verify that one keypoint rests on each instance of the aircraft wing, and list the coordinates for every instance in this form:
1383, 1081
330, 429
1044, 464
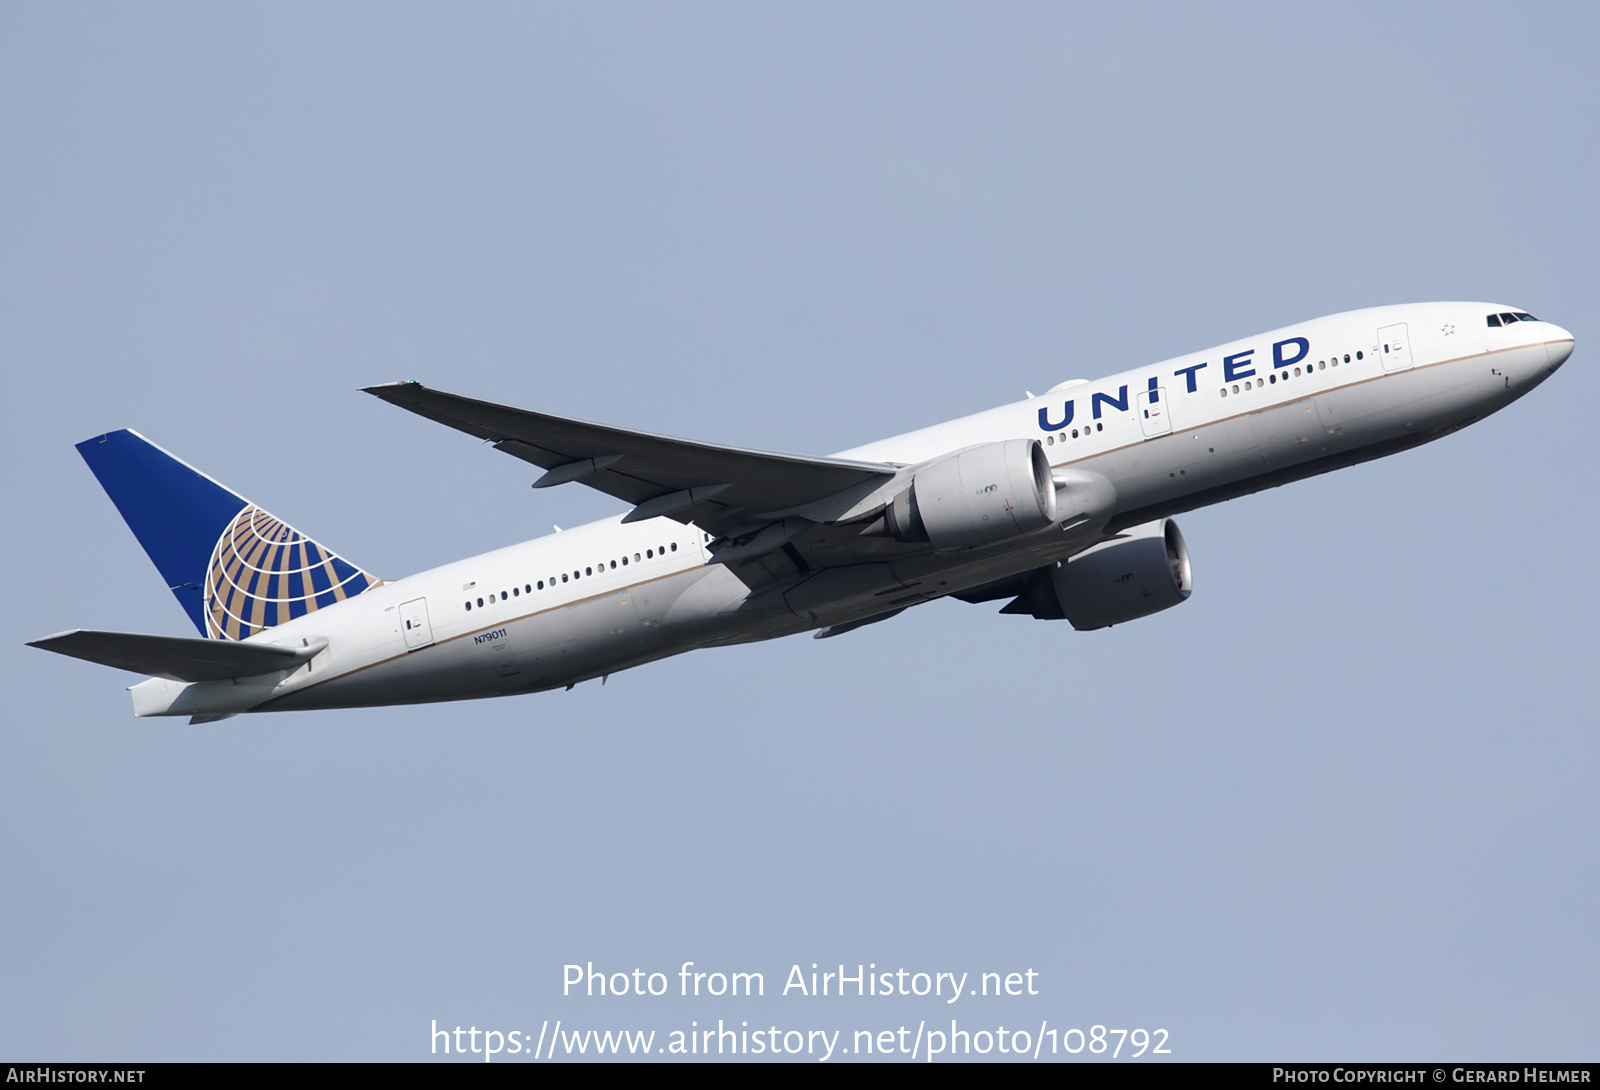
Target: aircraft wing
178, 658
715, 486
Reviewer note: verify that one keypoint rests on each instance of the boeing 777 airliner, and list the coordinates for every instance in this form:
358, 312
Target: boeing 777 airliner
1061, 503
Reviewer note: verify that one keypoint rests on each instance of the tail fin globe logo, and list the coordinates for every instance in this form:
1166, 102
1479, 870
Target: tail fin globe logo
234, 568
264, 572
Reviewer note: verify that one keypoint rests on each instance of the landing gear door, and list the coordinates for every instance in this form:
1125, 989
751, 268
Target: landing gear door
414, 624
1394, 346
1151, 406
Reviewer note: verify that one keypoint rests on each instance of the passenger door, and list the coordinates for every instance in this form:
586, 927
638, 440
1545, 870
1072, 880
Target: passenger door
414, 624
1152, 409
1394, 346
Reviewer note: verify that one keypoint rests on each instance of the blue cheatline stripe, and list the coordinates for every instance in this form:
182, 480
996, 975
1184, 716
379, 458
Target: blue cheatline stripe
176, 512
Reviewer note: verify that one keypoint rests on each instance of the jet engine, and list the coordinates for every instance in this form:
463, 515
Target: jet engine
1141, 571
976, 497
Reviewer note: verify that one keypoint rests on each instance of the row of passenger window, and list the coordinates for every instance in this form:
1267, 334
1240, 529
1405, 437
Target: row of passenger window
1051, 440
1509, 316
603, 566
1275, 377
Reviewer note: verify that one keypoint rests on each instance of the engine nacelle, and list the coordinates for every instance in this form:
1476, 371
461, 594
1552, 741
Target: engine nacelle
1142, 571
977, 497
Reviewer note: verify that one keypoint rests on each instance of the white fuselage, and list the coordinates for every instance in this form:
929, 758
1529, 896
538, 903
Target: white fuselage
603, 597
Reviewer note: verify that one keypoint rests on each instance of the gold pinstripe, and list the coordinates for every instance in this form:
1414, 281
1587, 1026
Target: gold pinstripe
1306, 397
646, 582
481, 631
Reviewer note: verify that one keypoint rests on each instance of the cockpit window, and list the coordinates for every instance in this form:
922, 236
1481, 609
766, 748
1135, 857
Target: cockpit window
1507, 317
1494, 320
1526, 317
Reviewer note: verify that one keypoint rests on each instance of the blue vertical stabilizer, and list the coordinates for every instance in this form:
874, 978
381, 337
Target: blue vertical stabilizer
234, 568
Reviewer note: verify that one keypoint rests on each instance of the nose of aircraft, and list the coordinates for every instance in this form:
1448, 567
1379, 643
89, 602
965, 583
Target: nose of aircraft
1559, 346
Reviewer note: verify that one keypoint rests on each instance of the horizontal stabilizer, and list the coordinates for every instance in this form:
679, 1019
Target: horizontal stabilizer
179, 658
